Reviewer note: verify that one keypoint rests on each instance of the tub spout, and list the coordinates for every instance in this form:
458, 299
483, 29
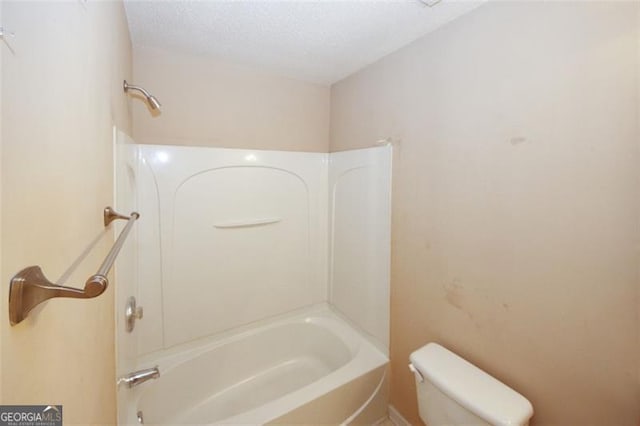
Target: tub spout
138, 377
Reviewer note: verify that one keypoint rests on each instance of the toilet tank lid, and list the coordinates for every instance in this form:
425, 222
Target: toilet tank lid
475, 390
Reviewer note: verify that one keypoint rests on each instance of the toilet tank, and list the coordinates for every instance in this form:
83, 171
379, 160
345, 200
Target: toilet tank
452, 391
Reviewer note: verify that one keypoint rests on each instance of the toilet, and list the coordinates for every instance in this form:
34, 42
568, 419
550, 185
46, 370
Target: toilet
452, 391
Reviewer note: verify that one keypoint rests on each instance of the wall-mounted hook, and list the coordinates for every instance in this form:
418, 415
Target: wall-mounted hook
5, 33
388, 141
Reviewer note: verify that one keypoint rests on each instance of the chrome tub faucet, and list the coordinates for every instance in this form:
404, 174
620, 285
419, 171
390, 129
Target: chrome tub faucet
138, 377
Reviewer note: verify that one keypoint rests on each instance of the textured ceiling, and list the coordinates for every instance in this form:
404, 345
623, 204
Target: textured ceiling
321, 41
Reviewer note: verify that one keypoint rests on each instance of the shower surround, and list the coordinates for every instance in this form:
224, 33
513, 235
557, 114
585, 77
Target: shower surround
244, 246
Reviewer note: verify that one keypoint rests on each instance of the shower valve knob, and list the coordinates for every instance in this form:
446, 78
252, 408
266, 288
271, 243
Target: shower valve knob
132, 313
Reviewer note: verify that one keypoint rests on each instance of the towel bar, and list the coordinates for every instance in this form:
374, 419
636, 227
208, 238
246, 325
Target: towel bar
30, 287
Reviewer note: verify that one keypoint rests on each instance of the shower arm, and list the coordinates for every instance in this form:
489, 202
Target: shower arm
151, 100
128, 87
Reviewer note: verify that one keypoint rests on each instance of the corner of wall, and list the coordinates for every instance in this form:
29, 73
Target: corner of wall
637, 73
2, 297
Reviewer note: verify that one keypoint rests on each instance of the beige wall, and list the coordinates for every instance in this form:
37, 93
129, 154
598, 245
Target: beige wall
214, 103
516, 200
3, 313
61, 94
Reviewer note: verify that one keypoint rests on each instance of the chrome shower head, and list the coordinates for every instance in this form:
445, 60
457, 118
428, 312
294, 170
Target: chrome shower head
151, 100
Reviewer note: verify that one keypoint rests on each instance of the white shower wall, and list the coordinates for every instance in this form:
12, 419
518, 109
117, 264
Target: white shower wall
360, 237
228, 237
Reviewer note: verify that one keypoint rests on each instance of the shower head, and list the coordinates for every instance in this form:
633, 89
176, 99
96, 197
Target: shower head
151, 100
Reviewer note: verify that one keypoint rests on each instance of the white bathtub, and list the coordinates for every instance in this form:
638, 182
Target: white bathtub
308, 367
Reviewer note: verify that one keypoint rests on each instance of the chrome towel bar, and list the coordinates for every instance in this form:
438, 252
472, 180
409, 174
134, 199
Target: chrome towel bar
30, 287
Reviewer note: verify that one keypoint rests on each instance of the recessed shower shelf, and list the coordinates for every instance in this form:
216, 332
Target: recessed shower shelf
248, 223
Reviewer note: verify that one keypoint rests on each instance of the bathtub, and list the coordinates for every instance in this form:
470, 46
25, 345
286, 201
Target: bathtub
307, 367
